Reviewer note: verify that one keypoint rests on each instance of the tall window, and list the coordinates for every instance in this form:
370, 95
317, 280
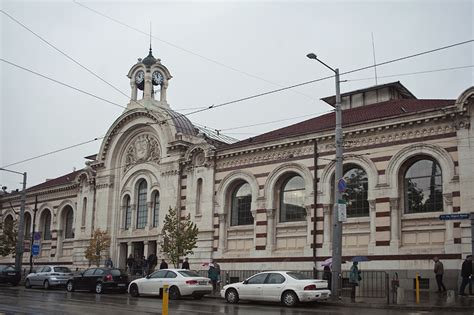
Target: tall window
27, 225
128, 212
46, 225
240, 205
8, 222
423, 187
356, 192
156, 209
292, 193
198, 196
141, 205
84, 211
68, 222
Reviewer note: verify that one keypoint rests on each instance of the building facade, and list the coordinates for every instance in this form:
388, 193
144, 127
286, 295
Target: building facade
266, 202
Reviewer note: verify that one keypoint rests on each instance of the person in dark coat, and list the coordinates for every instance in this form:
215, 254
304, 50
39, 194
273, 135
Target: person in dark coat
130, 263
466, 274
327, 275
213, 274
152, 260
439, 272
144, 266
163, 264
185, 264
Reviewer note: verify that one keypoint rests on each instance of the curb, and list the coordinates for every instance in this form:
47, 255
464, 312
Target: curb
382, 306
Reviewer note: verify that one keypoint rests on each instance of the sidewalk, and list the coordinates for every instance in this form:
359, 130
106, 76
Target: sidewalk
428, 301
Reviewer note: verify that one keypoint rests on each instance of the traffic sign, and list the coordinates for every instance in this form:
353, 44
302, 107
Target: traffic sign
341, 212
37, 236
342, 185
35, 249
454, 216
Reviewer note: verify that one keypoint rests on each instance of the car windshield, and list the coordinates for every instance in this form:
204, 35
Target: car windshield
116, 272
189, 273
298, 276
62, 269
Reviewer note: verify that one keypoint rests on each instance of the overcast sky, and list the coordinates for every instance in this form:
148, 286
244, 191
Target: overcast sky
217, 52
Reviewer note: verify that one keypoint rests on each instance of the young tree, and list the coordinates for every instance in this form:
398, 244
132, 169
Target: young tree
98, 245
178, 237
8, 238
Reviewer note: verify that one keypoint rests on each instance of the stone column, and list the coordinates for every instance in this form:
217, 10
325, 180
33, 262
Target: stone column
327, 226
149, 215
373, 223
270, 229
449, 225
395, 222
222, 228
145, 249
133, 213
134, 90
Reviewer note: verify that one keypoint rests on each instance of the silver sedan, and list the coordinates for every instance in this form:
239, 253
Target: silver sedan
48, 276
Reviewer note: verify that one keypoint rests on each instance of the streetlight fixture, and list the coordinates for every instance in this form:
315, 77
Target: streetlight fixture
337, 224
19, 241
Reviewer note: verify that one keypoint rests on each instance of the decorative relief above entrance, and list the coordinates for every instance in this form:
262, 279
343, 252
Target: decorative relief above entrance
144, 148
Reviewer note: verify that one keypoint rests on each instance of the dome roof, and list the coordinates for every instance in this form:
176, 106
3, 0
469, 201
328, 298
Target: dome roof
149, 60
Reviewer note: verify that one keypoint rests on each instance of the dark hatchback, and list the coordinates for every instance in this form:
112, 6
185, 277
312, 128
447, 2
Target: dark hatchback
8, 274
99, 280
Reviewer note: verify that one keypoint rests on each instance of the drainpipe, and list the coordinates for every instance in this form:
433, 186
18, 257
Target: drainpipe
315, 189
94, 200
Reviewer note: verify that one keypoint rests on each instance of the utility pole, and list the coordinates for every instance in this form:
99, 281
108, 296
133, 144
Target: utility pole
21, 236
336, 223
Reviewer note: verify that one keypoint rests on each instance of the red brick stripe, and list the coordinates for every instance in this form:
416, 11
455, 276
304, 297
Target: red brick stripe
382, 214
456, 209
382, 200
381, 159
382, 228
261, 210
260, 247
261, 235
456, 193
261, 222
382, 243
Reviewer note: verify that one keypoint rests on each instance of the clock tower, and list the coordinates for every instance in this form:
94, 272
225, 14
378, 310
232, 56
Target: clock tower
148, 79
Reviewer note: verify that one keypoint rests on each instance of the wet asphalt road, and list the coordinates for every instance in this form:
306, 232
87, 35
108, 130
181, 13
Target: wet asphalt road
18, 300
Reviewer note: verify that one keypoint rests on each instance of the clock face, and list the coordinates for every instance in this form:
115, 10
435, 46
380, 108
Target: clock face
157, 78
139, 77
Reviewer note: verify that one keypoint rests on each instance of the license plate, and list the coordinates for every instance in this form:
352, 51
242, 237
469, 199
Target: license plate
121, 284
11, 274
324, 294
202, 282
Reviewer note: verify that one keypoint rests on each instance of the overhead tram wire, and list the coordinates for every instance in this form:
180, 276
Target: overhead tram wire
279, 90
61, 83
186, 50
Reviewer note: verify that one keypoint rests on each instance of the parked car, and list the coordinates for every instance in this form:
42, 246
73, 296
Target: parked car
99, 280
48, 276
287, 287
8, 274
181, 282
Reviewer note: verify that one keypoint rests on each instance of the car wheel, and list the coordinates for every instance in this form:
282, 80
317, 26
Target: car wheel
46, 285
231, 296
27, 284
99, 288
289, 298
174, 293
134, 290
70, 286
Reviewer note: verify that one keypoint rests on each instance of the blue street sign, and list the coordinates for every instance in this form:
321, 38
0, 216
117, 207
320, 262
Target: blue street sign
455, 216
35, 249
342, 185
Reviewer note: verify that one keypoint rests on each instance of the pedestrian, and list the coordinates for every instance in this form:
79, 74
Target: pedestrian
130, 263
213, 274
466, 274
354, 279
144, 267
163, 264
439, 271
109, 263
185, 264
137, 269
151, 263
327, 275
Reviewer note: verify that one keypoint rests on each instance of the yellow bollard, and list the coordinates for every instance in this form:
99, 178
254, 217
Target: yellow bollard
417, 288
164, 307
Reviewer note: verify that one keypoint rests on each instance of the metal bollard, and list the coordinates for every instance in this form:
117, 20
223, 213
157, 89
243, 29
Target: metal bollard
417, 288
164, 307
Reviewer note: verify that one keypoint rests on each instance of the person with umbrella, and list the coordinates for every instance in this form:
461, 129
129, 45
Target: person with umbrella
327, 272
354, 275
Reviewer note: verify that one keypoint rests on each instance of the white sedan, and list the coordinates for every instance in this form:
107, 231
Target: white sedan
181, 282
288, 287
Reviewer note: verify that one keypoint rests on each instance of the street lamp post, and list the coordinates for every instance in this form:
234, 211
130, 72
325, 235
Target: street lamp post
337, 225
19, 242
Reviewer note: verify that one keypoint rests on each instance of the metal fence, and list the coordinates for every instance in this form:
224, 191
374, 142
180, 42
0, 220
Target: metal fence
373, 284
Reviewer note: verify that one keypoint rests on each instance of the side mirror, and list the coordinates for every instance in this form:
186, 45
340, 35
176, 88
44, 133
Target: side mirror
245, 282
148, 277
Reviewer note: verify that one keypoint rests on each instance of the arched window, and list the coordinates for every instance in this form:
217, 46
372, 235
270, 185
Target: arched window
68, 215
46, 225
128, 212
27, 226
156, 208
84, 211
198, 196
241, 201
356, 192
292, 193
142, 212
423, 187
8, 222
